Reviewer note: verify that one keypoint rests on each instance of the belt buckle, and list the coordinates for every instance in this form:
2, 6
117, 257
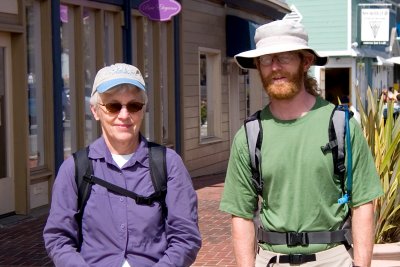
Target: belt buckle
295, 258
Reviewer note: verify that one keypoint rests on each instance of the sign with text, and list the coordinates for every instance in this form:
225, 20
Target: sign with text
375, 26
160, 10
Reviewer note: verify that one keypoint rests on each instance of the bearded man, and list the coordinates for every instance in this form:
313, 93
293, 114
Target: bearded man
299, 204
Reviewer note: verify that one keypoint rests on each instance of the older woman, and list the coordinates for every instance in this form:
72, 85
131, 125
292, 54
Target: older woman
117, 231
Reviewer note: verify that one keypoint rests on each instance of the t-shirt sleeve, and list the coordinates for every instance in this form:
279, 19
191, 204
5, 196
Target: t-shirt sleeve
366, 182
239, 196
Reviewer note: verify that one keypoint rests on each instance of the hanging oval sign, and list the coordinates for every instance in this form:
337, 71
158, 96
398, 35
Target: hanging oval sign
160, 10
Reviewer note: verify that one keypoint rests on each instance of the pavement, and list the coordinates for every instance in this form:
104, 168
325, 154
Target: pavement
21, 242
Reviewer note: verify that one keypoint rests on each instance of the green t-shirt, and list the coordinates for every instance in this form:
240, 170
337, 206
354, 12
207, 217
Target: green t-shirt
300, 192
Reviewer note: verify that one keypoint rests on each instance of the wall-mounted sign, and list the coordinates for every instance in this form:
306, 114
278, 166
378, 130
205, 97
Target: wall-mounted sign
160, 10
375, 26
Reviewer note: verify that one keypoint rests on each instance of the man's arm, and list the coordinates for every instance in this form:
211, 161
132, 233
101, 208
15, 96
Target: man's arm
363, 234
243, 238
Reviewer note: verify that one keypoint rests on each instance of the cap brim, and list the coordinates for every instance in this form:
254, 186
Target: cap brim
246, 59
107, 85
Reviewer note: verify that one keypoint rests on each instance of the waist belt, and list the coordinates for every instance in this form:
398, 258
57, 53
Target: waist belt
293, 259
303, 238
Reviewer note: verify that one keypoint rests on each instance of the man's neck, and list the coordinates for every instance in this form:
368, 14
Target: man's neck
294, 108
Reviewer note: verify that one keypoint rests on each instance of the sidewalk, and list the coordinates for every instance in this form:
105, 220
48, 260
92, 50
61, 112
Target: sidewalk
21, 242
215, 226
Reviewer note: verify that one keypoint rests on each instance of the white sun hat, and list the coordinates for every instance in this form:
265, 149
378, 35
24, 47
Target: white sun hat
276, 37
117, 74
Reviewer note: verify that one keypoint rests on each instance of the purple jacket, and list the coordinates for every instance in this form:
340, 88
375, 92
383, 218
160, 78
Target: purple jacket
114, 227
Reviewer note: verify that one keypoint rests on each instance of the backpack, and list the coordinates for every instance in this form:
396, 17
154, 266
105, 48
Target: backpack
84, 179
339, 133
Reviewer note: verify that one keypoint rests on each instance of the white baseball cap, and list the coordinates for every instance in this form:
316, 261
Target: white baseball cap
117, 74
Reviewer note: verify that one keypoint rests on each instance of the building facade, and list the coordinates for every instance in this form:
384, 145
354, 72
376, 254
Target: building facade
50, 51
339, 30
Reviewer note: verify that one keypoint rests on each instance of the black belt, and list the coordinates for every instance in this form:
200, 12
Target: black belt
293, 259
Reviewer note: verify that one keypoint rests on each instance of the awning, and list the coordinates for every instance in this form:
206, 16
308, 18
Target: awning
239, 35
395, 60
384, 61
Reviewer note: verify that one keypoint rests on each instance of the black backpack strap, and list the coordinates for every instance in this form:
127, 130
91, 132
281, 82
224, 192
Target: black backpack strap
83, 168
158, 172
158, 166
140, 200
253, 129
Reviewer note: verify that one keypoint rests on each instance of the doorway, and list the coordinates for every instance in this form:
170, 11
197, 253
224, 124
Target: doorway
337, 84
7, 187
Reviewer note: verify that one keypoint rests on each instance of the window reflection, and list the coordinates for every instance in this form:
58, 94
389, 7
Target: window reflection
109, 44
68, 77
89, 63
34, 81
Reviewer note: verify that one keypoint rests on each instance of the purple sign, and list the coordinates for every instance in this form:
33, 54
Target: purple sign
161, 10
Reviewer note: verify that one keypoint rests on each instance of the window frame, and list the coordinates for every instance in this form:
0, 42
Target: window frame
213, 91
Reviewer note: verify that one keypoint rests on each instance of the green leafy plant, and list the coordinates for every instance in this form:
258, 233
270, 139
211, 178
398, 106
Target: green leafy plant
383, 137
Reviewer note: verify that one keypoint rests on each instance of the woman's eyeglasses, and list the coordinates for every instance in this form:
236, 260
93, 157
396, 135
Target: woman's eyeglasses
115, 107
283, 58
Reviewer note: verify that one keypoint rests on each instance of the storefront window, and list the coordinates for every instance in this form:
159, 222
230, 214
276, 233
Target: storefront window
3, 123
68, 78
35, 86
109, 38
155, 58
89, 63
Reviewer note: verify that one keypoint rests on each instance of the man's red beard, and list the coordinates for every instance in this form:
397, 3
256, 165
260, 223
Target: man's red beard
283, 90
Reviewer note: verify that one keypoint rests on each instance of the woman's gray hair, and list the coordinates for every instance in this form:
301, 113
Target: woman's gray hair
95, 98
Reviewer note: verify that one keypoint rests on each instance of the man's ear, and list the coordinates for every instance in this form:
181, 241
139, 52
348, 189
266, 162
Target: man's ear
308, 61
257, 63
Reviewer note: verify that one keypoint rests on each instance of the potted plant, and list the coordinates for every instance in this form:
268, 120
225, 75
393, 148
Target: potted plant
383, 137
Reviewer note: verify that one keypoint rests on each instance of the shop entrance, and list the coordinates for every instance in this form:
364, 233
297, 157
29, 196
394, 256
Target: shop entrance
337, 84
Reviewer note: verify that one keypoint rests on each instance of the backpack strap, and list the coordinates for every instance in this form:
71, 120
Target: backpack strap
158, 172
339, 133
83, 168
158, 166
158, 177
253, 129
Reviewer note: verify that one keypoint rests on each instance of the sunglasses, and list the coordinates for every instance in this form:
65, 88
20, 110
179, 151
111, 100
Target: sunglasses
115, 107
283, 58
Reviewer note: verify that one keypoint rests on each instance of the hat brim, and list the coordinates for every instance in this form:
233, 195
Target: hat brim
107, 85
246, 59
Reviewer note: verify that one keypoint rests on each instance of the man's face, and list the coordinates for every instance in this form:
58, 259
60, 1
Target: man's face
282, 74
120, 126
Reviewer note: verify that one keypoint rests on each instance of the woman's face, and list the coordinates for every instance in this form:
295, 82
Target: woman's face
120, 127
